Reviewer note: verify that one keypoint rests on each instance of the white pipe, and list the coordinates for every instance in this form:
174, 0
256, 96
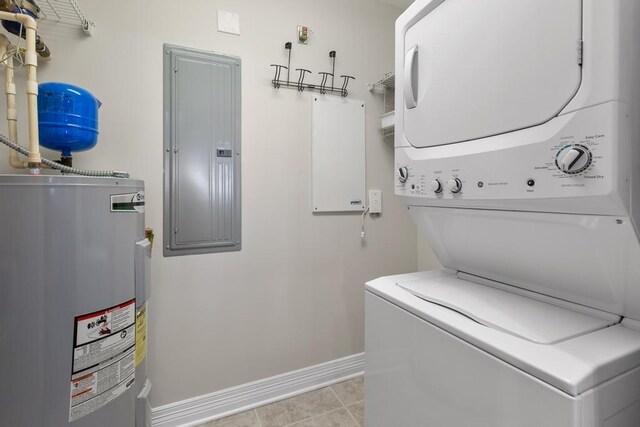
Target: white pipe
12, 113
31, 63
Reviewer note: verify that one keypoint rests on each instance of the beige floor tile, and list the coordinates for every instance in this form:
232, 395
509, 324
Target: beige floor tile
298, 408
357, 410
339, 418
351, 391
243, 419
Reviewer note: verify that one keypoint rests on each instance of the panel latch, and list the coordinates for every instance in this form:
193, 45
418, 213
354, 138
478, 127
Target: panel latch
580, 51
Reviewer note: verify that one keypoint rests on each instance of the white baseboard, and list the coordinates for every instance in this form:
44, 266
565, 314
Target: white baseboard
197, 410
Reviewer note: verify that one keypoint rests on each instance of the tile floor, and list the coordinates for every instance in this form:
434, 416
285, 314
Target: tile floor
339, 405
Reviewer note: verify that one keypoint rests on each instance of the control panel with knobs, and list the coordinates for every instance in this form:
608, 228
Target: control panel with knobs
572, 170
570, 159
436, 186
573, 159
403, 174
454, 185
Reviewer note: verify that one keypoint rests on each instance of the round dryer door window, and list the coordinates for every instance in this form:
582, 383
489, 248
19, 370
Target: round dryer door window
474, 69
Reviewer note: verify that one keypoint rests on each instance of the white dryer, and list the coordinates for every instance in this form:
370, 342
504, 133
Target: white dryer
517, 151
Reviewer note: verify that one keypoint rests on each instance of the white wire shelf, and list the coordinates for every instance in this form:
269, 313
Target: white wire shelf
386, 86
387, 123
65, 11
388, 82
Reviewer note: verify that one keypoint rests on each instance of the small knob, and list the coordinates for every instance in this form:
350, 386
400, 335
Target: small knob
454, 185
403, 174
573, 159
436, 186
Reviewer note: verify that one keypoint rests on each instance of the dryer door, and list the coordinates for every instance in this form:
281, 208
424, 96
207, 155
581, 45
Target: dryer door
479, 68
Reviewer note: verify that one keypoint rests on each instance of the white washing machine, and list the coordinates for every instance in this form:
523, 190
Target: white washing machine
517, 148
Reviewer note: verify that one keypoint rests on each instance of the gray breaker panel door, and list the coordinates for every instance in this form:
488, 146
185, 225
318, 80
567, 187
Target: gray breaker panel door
202, 152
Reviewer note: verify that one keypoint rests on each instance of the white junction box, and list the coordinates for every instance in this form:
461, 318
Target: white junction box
228, 22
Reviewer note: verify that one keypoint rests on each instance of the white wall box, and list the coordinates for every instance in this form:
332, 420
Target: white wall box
229, 22
338, 154
201, 152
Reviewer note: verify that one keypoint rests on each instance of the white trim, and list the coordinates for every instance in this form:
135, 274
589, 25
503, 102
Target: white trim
200, 409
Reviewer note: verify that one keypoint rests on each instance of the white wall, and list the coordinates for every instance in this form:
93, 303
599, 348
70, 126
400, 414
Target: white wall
427, 260
293, 296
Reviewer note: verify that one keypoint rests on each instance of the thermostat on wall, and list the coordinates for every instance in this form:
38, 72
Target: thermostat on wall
303, 34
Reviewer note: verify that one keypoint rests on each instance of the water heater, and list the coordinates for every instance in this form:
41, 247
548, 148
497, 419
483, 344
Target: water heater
74, 277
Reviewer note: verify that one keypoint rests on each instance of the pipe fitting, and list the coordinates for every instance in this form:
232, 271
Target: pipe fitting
31, 58
32, 87
24, 19
16, 163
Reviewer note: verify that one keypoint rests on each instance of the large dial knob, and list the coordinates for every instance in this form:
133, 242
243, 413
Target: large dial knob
573, 159
403, 174
436, 186
454, 185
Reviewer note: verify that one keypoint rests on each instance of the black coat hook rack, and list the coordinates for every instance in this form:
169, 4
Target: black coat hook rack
301, 85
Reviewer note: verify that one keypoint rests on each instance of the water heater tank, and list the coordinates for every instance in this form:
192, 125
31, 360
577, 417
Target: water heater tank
67, 118
73, 290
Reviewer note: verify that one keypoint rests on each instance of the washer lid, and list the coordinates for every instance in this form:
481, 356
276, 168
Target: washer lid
518, 315
574, 365
473, 68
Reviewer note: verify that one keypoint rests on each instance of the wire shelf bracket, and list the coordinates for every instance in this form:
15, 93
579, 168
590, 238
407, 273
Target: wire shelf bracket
388, 82
68, 12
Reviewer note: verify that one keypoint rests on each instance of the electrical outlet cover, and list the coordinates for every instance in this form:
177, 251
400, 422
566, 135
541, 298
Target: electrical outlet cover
375, 201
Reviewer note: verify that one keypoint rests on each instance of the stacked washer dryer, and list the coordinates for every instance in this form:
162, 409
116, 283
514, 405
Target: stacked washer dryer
518, 155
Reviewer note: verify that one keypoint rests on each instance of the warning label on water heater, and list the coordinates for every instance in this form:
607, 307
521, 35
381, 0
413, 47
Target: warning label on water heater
103, 358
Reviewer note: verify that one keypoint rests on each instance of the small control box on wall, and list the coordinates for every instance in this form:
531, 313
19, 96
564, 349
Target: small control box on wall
338, 154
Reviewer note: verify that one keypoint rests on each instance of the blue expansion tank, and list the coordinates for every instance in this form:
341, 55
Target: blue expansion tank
67, 118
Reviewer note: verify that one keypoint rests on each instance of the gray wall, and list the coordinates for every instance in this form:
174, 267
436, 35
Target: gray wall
293, 296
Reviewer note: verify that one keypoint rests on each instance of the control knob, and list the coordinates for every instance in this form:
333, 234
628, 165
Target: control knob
403, 174
573, 159
454, 185
436, 186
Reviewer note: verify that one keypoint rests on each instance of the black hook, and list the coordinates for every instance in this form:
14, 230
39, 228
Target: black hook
345, 82
323, 84
287, 46
332, 54
276, 77
303, 72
